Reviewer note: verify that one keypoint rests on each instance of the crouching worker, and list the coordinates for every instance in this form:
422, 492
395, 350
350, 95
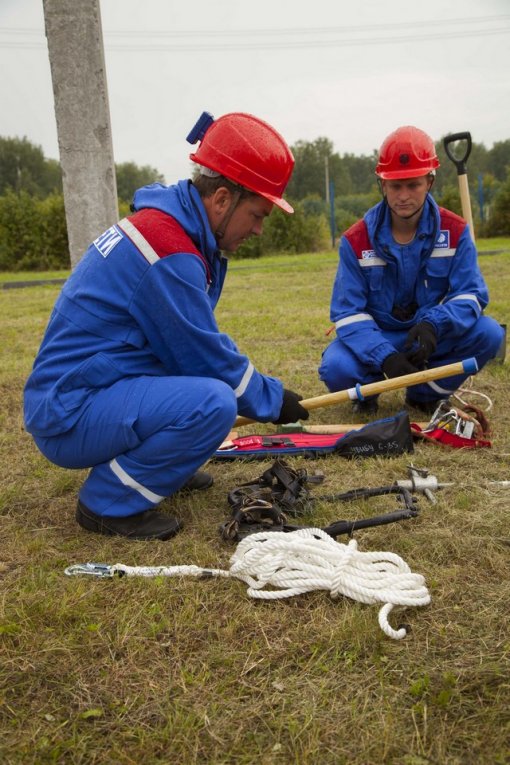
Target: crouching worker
133, 378
408, 293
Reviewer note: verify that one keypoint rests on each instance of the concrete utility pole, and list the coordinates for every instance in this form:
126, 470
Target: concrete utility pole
75, 45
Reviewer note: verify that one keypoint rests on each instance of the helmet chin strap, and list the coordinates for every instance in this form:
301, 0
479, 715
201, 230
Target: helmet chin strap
220, 231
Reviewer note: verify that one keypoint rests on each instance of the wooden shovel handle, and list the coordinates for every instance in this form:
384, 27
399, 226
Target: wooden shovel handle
460, 163
468, 366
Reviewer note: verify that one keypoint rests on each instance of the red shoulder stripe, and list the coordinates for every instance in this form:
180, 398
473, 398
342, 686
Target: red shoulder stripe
454, 223
165, 235
357, 236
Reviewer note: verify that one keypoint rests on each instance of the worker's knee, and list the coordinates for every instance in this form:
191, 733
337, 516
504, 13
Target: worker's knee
336, 370
483, 341
221, 406
493, 335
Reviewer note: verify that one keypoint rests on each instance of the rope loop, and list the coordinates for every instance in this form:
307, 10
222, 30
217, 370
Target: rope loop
309, 559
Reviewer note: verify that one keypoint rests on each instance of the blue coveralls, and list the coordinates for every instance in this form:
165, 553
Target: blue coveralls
133, 377
382, 289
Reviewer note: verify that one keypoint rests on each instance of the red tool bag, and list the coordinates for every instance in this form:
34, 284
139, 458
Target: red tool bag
386, 437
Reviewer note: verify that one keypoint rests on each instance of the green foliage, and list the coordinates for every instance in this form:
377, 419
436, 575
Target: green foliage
33, 232
131, 177
124, 209
23, 167
314, 204
499, 221
344, 219
361, 172
308, 176
295, 233
317, 166
498, 160
350, 207
355, 190
53, 228
449, 198
358, 204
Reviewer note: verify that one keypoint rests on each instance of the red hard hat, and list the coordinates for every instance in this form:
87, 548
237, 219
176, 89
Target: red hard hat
408, 152
248, 151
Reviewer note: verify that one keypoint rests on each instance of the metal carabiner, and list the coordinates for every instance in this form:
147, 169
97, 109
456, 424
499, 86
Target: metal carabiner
103, 570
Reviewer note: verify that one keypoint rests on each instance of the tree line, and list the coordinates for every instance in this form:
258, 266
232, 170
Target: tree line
354, 188
329, 192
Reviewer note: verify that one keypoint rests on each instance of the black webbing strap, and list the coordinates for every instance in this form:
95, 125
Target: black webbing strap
264, 504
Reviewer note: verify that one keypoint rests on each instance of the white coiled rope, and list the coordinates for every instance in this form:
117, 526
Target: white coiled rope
303, 561
309, 559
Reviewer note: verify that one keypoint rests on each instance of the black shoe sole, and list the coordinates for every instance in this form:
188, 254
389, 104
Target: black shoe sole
142, 527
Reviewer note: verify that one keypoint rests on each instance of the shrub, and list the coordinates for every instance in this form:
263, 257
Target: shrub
289, 233
499, 220
33, 233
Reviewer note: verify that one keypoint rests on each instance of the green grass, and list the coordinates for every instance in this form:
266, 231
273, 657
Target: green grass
496, 243
132, 671
20, 276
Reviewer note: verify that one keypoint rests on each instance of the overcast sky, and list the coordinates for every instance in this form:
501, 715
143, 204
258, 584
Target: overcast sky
348, 70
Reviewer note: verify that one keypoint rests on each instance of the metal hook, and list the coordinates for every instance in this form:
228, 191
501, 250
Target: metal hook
103, 570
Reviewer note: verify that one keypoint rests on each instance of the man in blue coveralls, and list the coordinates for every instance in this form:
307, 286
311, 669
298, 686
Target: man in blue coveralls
408, 293
133, 378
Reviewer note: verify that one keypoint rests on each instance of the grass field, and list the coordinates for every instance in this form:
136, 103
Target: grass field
182, 671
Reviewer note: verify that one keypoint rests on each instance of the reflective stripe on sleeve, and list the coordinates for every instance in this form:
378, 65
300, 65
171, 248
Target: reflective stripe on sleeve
351, 319
466, 296
126, 479
138, 240
245, 380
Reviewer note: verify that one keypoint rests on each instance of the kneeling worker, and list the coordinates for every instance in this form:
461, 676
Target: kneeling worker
408, 293
133, 378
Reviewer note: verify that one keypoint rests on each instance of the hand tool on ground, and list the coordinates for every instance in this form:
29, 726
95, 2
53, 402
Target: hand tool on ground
468, 366
460, 164
420, 480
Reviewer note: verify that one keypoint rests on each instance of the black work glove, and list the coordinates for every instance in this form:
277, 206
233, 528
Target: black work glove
396, 365
421, 343
291, 410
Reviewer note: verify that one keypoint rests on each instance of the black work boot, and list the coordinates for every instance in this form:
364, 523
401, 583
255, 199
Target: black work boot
150, 524
198, 482
365, 406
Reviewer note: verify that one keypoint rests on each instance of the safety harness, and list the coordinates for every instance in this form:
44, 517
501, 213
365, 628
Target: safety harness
265, 503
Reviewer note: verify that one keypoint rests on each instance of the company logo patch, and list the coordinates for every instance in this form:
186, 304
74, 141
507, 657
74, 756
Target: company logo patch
442, 241
366, 254
107, 241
